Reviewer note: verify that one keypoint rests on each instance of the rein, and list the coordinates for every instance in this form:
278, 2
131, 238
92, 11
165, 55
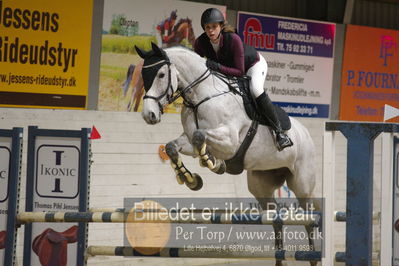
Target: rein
193, 106
181, 92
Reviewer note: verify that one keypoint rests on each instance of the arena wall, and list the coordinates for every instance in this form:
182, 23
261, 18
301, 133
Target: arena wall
126, 164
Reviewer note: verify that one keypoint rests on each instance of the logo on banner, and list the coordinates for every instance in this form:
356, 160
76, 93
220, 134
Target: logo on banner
254, 36
57, 171
386, 48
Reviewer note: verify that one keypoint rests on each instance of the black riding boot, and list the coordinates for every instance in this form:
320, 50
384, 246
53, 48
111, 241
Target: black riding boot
266, 108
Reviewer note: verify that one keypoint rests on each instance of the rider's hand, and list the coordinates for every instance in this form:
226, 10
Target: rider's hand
212, 65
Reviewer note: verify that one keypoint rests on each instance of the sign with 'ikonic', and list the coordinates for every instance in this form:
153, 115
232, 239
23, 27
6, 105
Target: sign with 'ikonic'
57, 171
57, 182
299, 54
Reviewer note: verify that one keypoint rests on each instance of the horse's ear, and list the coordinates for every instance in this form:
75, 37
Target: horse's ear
140, 52
158, 51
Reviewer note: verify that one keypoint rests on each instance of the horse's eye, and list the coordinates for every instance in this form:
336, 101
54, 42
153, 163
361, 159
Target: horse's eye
161, 75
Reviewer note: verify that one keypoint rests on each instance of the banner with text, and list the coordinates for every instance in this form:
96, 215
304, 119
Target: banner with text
299, 54
370, 73
45, 53
128, 23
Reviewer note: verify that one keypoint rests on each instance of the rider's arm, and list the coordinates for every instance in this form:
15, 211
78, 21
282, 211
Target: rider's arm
237, 49
198, 48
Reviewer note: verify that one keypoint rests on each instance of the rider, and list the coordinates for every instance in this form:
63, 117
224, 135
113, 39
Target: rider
165, 28
226, 53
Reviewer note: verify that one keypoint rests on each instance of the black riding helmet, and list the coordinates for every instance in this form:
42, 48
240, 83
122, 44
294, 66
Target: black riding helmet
211, 15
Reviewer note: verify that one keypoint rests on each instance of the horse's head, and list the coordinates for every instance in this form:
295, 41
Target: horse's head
160, 81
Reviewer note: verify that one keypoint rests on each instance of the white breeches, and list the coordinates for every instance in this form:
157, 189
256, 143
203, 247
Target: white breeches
258, 74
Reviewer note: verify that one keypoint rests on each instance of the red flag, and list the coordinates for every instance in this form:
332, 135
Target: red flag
95, 134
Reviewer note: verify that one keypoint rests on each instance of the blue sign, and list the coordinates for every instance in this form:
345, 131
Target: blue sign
300, 58
289, 36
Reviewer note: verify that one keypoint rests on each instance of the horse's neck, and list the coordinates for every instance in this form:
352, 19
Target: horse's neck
191, 68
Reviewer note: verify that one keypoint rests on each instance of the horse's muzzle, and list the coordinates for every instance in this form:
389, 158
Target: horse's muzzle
151, 118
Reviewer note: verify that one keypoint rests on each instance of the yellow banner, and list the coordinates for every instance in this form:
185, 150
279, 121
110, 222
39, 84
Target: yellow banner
45, 53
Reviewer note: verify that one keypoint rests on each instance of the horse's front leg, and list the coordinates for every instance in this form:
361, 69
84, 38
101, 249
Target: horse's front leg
183, 175
206, 158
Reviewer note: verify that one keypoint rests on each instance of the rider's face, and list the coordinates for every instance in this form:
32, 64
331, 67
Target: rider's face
212, 31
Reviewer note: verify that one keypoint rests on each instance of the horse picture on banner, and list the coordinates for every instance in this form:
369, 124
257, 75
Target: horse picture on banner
182, 34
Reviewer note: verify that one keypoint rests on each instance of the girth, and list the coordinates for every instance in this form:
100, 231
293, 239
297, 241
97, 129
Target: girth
235, 165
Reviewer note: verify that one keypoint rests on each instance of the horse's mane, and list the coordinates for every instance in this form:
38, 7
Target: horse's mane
182, 49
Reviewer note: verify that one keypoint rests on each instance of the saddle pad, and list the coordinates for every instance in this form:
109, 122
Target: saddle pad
253, 112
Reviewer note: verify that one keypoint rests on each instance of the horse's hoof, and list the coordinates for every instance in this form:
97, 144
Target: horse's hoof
196, 184
203, 163
222, 168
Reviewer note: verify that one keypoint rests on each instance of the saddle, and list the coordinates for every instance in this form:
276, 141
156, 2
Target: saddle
235, 165
241, 86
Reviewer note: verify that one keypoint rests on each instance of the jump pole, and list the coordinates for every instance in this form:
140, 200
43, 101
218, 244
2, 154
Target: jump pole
209, 253
266, 218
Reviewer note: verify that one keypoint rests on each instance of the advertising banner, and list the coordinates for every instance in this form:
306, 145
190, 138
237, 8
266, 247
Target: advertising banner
45, 53
299, 54
128, 23
370, 73
57, 182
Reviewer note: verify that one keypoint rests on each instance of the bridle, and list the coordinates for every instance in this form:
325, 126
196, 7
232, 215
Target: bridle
173, 96
157, 99
180, 92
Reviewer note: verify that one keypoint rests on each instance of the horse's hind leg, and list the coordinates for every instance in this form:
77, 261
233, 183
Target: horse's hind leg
302, 183
206, 158
183, 175
262, 185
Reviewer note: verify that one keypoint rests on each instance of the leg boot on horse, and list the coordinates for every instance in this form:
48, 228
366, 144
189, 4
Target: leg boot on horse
183, 175
206, 158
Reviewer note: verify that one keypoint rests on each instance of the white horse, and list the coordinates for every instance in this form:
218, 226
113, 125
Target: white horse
215, 124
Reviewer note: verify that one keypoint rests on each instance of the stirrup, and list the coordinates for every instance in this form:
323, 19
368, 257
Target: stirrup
283, 141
